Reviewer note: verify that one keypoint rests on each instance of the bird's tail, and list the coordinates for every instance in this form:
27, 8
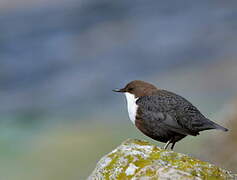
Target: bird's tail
212, 125
217, 126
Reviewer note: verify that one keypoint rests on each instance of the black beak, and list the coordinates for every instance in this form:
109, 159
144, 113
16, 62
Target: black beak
118, 90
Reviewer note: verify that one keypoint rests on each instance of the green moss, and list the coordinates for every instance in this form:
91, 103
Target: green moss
150, 161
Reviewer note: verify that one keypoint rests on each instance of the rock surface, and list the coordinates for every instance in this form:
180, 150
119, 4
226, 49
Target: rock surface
135, 159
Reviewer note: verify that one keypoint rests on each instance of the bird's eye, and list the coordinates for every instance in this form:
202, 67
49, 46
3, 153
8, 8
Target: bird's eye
130, 89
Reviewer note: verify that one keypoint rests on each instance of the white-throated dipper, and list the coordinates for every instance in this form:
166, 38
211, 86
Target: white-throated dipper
162, 115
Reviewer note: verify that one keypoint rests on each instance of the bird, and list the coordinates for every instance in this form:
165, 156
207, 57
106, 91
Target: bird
163, 115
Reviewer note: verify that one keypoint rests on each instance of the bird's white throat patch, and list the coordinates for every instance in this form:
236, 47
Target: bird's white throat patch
132, 106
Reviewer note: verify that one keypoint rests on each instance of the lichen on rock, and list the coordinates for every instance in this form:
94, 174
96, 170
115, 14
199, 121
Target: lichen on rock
135, 159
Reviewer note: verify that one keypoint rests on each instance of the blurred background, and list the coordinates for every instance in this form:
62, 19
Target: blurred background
59, 61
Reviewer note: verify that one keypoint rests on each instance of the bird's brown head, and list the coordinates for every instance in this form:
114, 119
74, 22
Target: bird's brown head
138, 88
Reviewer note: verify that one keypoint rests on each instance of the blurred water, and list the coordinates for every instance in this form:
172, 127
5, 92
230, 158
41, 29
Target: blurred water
55, 58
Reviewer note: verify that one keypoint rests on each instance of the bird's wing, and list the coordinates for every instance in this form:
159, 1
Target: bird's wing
170, 111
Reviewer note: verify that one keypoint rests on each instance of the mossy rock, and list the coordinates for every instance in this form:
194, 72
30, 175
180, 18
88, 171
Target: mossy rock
135, 159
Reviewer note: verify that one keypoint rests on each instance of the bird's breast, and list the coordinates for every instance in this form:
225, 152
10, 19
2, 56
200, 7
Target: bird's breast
132, 106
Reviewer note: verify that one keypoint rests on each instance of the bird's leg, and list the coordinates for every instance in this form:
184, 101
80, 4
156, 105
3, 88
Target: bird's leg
172, 147
167, 144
